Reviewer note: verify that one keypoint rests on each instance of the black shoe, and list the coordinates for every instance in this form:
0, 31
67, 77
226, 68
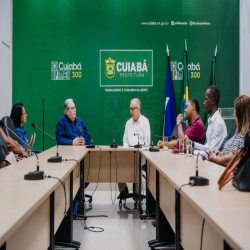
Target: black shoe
123, 193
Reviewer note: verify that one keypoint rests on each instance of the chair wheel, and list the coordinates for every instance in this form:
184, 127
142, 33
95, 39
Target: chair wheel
135, 204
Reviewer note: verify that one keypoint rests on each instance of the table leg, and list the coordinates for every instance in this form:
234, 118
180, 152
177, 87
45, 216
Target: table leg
226, 246
68, 222
52, 220
177, 222
140, 181
82, 189
3, 247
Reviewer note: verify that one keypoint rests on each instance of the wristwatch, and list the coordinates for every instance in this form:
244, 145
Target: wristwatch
178, 122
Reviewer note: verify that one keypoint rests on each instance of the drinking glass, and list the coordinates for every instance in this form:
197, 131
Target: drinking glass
181, 146
165, 141
189, 147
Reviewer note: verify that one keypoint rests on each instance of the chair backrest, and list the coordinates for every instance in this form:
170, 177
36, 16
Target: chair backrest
4, 147
175, 130
9, 123
232, 132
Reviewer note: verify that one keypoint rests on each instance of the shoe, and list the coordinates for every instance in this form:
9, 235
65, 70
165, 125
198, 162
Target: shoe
123, 193
153, 223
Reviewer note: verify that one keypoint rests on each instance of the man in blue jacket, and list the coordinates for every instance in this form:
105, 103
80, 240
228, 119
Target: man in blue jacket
71, 130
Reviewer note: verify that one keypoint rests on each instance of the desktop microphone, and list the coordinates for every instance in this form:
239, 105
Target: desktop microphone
56, 158
198, 180
138, 145
152, 149
35, 175
92, 145
113, 145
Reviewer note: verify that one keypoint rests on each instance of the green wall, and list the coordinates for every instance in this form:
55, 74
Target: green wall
67, 31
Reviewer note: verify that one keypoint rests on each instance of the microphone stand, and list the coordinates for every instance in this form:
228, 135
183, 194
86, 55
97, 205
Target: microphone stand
198, 180
35, 175
152, 148
113, 145
43, 124
53, 159
138, 145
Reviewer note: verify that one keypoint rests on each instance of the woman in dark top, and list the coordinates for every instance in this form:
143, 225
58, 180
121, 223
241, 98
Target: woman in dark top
19, 117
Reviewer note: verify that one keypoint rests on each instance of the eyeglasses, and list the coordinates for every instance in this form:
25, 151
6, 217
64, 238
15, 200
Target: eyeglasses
132, 109
24, 114
73, 108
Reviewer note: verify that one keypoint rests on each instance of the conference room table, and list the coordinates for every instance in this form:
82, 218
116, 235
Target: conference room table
226, 212
32, 211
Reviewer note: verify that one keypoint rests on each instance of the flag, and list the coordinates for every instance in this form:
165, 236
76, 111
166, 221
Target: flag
185, 82
213, 80
170, 111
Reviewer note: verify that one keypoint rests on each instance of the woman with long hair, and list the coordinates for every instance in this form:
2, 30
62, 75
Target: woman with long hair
19, 118
242, 120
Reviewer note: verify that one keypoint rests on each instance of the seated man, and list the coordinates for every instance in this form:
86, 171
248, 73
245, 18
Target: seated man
216, 133
137, 124
195, 131
71, 130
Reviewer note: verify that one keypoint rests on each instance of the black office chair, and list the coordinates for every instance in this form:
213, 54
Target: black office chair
232, 132
3, 149
174, 133
88, 195
133, 195
9, 123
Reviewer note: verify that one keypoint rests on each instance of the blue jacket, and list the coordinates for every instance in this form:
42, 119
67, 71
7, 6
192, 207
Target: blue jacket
21, 132
67, 131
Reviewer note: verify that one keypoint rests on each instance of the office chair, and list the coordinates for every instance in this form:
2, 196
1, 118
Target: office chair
232, 132
88, 195
3, 149
9, 123
175, 130
131, 195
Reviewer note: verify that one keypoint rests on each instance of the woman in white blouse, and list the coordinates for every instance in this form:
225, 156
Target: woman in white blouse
242, 120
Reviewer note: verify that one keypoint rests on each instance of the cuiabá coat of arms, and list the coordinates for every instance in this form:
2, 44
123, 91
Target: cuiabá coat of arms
110, 68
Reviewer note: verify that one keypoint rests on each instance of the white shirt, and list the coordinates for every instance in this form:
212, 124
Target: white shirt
216, 134
140, 127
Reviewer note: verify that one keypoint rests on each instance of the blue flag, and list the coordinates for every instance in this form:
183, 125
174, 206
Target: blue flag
170, 112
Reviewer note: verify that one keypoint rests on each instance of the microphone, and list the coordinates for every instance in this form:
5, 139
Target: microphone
138, 145
35, 175
113, 145
152, 149
198, 180
53, 159
92, 145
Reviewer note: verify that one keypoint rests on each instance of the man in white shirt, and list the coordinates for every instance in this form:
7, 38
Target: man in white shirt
216, 133
136, 125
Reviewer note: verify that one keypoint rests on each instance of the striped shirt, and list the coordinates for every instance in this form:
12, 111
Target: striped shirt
235, 143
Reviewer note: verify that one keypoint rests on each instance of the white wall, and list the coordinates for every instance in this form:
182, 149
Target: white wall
6, 24
245, 47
